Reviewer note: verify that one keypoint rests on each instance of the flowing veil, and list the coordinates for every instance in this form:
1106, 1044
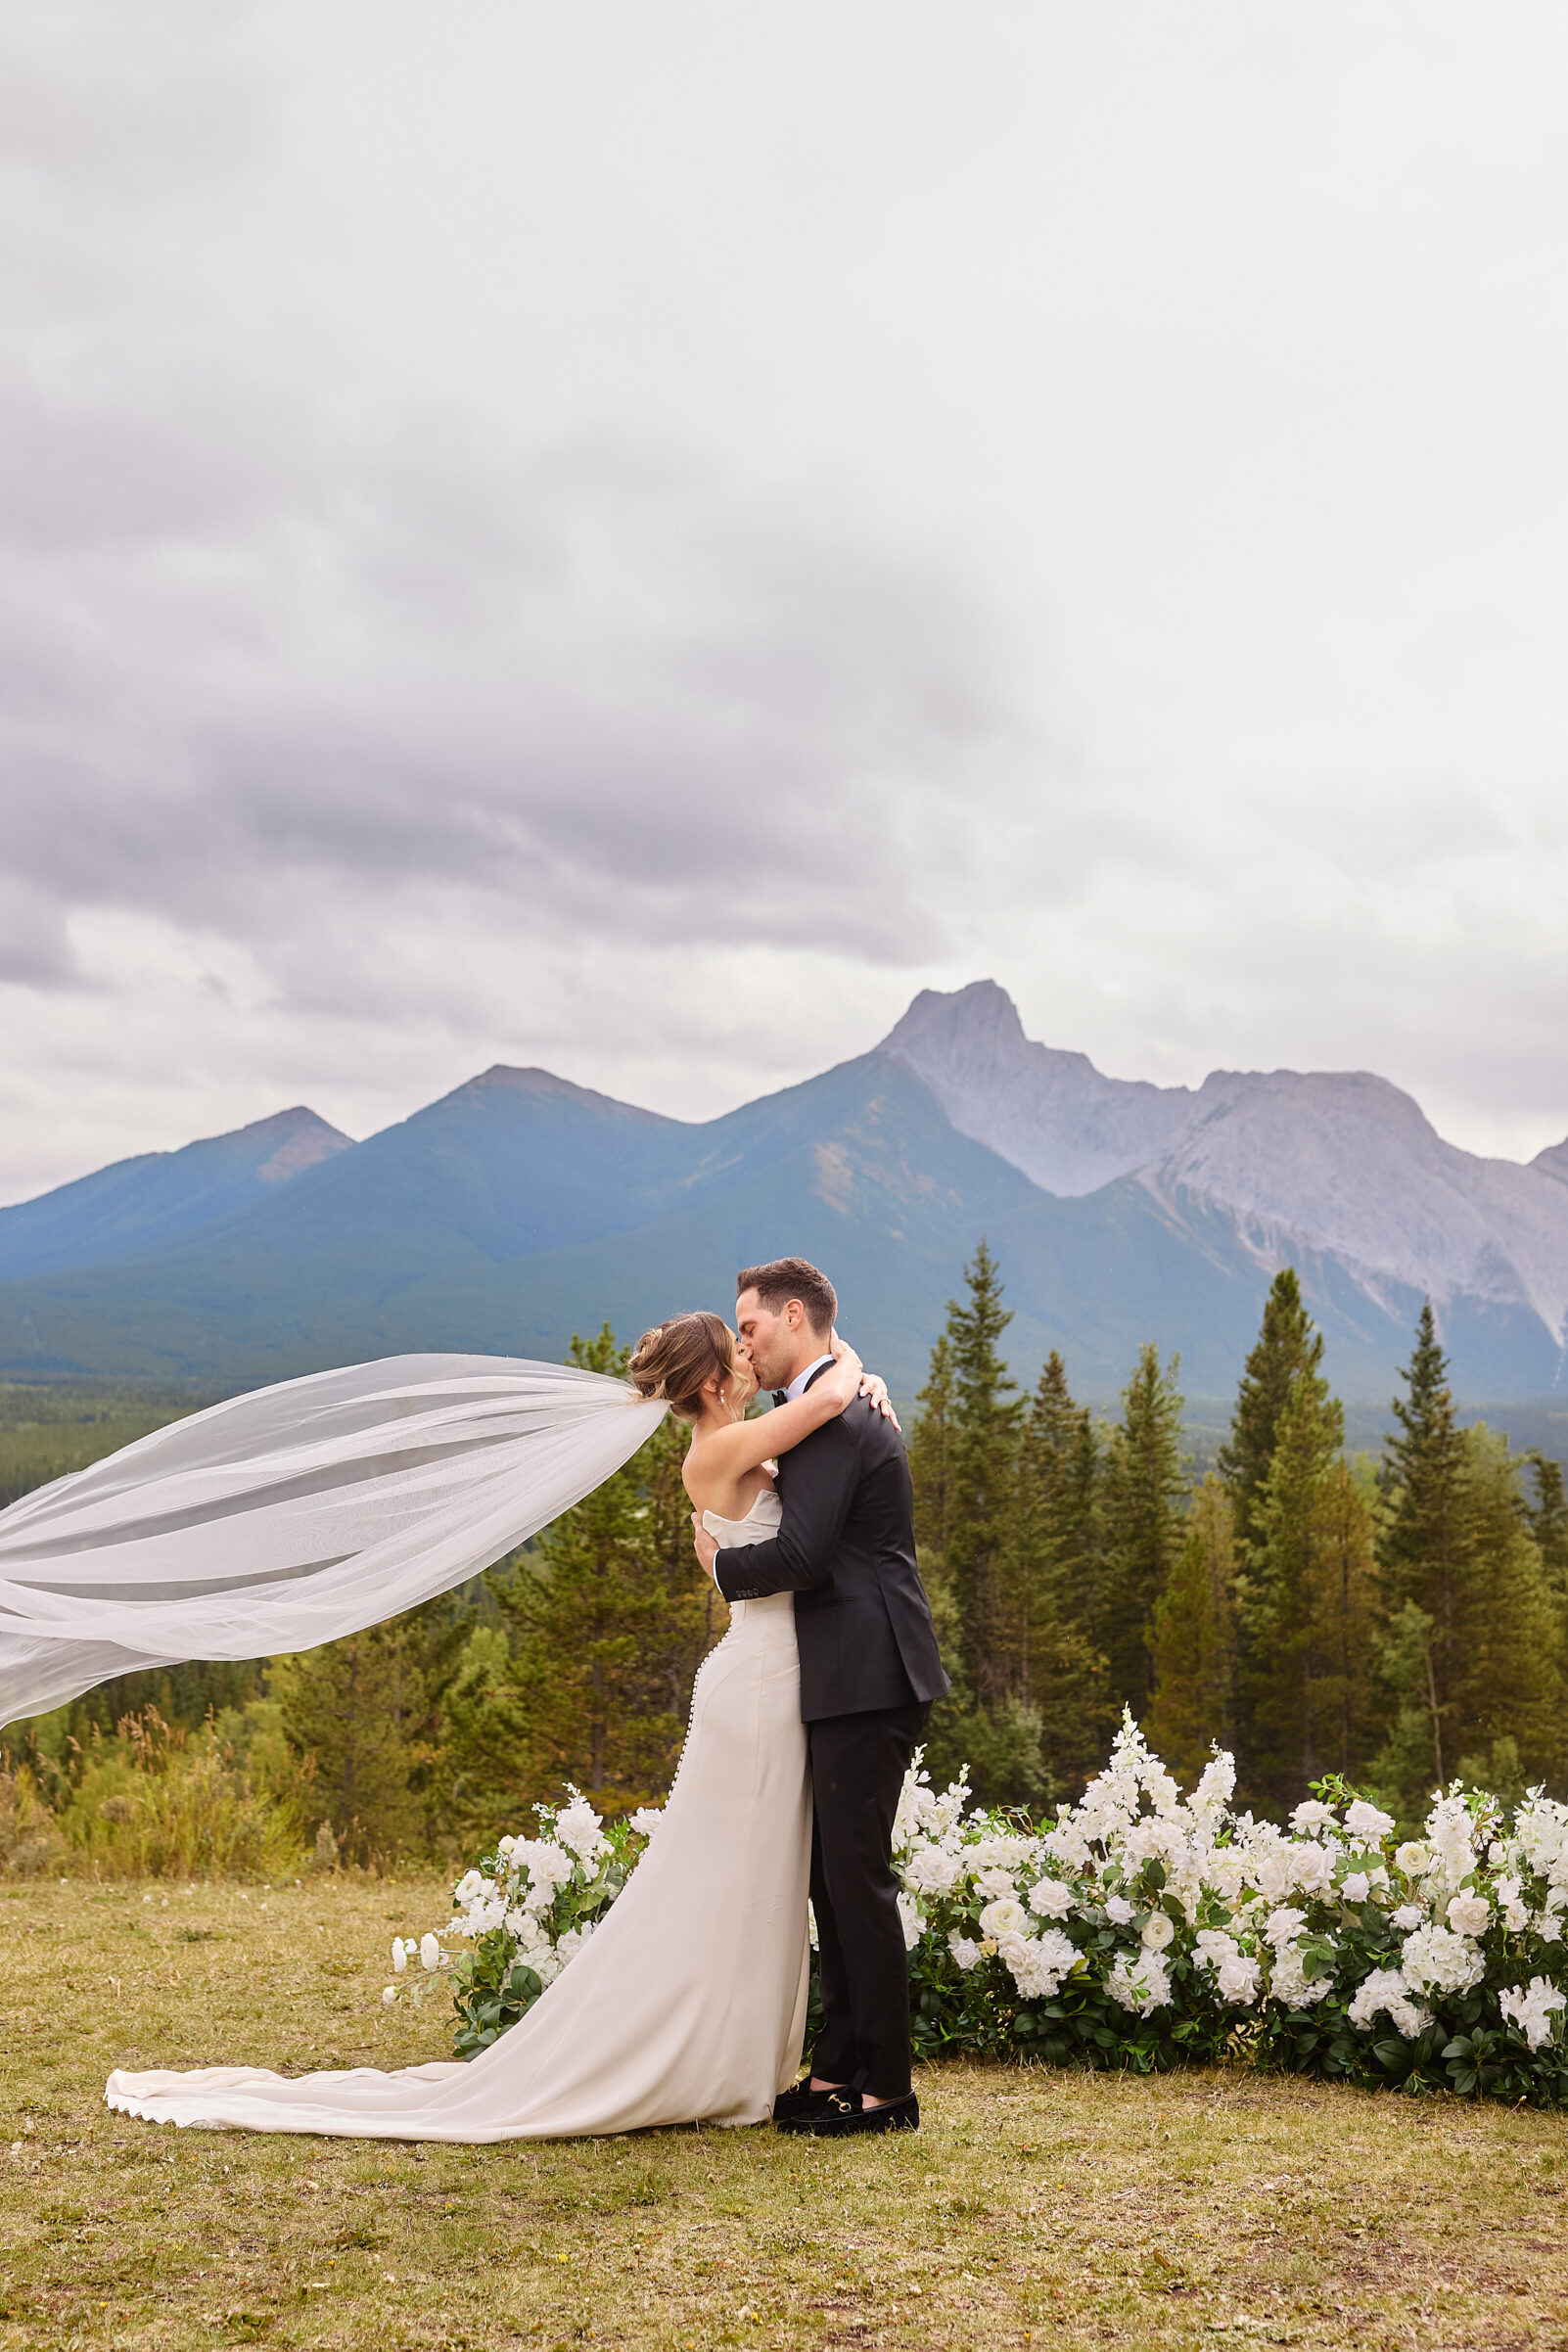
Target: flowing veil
296, 1514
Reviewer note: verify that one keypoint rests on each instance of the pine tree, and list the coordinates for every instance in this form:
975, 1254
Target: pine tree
1194, 1639
1307, 1605
1473, 1646
1288, 1350
1145, 1491
1547, 1516
980, 1551
1057, 1544
928, 1450
362, 1709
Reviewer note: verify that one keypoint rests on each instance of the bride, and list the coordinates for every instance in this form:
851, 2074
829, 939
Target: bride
688, 2003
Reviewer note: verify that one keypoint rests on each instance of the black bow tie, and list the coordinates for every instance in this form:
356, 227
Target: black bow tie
781, 1395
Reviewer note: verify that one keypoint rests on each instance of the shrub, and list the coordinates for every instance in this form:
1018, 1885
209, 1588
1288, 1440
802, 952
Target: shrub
157, 1801
1140, 1929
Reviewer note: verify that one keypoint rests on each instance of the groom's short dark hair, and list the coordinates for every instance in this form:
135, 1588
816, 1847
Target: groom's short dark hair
786, 1278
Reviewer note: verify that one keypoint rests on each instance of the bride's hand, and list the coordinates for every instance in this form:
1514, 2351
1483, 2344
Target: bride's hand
872, 1385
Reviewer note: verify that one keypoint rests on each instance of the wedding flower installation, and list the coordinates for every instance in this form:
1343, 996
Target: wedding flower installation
1140, 1929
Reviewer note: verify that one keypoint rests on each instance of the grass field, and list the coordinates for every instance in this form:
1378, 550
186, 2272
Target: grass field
1205, 2210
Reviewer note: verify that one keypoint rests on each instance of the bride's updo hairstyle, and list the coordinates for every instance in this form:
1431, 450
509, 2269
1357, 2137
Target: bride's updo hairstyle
671, 1362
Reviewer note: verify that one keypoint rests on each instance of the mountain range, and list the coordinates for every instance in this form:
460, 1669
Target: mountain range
521, 1208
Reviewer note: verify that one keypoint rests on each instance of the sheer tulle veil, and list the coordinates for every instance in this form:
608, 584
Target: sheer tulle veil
297, 1514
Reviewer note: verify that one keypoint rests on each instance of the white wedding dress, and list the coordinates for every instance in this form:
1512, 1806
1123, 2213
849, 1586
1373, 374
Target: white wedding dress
687, 2005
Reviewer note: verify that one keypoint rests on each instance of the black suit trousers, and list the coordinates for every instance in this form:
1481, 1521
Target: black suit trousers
857, 1768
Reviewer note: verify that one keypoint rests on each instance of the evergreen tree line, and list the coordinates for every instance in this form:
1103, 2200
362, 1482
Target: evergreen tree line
1398, 1622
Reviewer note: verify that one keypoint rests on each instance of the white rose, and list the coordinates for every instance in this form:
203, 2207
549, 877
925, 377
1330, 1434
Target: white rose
1158, 1930
399, 1956
1413, 1858
1313, 1870
995, 1884
389, 1994
1366, 1823
1273, 1873
1470, 1914
1051, 1898
1119, 1909
1313, 1815
1006, 1917
429, 1951
1357, 1887
932, 1870
964, 1951
1407, 1917
1237, 1977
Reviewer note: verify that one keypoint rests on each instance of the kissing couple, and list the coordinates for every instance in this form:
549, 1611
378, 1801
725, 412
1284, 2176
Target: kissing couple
688, 2003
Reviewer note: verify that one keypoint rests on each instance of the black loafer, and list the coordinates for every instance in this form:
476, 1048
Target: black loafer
799, 2100
844, 2113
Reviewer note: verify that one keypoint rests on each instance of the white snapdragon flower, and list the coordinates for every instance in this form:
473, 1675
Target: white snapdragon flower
429, 1951
1437, 1960
931, 1870
1226, 1874
1510, 1902
1068, 1845
1356, 1887
1238, 1977
1051, 1898
1140, 1981
1005, 1916
1450, 1834
1385, 1990
1119, 1909
1366, 1823
1469, 1914
1314, 1814
580, 1829
1157, 1931
911, 1921
1409, 1915
1531, 2011
965, 1950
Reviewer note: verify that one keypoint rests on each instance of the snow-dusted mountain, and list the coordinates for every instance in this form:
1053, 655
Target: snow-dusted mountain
1336, 1166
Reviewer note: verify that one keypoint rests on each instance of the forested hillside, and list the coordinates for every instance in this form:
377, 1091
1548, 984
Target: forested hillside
1394, 1618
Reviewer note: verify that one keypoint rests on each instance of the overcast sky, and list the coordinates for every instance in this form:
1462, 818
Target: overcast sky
635, 538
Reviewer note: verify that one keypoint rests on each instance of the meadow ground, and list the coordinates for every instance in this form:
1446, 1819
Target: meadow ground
1214, 2209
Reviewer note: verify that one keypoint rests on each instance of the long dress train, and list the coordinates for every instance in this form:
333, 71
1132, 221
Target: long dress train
688, 2003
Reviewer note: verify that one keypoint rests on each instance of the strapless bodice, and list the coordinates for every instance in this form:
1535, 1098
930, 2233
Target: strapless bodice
765, 1518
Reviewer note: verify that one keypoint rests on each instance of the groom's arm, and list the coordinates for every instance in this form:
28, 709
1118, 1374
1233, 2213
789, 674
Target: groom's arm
817, 1495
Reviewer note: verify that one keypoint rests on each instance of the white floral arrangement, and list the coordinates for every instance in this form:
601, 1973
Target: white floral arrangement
1142, 1928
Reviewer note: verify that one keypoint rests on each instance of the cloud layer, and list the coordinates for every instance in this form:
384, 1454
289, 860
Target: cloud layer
638, 547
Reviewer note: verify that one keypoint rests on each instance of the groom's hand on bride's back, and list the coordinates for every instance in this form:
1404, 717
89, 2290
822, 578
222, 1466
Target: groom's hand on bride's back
706, 1547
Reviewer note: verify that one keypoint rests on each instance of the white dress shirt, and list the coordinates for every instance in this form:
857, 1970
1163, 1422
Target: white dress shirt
797, 1387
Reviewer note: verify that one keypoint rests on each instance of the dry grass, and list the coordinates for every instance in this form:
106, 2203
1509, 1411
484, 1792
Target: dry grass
1213, 2210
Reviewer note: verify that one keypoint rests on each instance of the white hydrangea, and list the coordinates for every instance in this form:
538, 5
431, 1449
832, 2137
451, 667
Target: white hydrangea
1038, 1963
1532, 2012
1290, 1983
571, 1944
1140, 1981
1212, 1945
1437, 1960
1385, 1990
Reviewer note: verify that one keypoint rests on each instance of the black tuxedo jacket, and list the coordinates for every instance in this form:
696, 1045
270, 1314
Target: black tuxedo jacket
846, 1550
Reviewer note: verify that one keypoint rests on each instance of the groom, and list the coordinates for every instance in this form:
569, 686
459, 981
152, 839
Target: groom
869, 1671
